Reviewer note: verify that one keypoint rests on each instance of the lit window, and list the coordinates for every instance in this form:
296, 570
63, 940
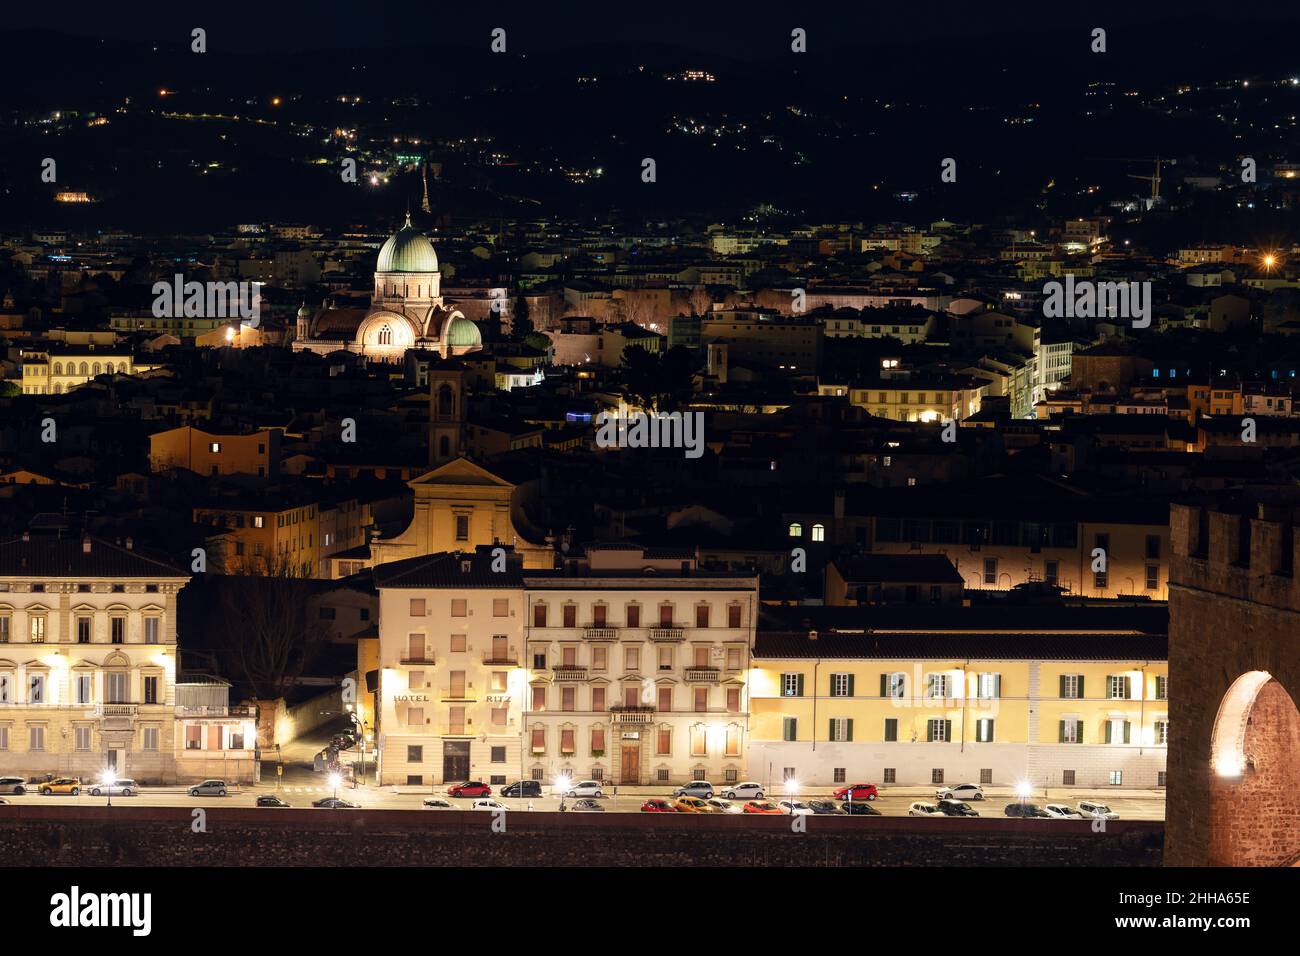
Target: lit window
819, 532
796, 529
214, 447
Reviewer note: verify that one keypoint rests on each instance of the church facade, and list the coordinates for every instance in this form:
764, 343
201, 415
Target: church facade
406, 310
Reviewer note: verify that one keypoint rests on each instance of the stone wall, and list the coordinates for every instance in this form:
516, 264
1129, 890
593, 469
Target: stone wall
1234, 608
163, 836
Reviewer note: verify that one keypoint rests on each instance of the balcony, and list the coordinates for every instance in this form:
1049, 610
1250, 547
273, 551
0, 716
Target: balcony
568, 673
201, 710
601, 633
703, 675
508, 658
638, 716
667, 634
116, 710
408, 660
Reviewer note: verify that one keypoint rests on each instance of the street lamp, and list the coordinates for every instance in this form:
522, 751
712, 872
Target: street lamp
1024, 790
106, 780
791, 788
562, 784
334, 780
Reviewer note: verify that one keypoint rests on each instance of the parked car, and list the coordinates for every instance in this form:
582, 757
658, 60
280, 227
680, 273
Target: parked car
1059, 811
14, 785
118, 788
522, 788
744, 791
795, 807
484, 804
61, 785
963, 791
920, 809
656, 805
857, 791
343, 741
436, 803
955, 808
270, 801
1026, 811
723, 806
824, 806
1091, 810
3, 802
691, 805
696, 788
470, 788
209, 788
587, 805
334, 803
761, 806
585, 788
857, 807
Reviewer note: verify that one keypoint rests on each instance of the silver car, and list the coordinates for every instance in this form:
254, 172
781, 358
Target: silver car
209, 788
118, 788
15, 785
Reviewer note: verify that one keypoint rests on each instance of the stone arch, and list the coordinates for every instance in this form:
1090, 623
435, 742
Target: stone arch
1254, 819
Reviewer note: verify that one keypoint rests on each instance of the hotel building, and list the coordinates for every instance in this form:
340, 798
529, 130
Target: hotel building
451, 684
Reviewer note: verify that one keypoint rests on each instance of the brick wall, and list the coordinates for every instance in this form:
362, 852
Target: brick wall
1228, 617
162, 836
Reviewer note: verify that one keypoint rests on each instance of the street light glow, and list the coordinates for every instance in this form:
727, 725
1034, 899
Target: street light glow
1024, 790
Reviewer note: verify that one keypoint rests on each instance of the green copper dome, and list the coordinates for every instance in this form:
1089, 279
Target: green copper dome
407, 251
463, 332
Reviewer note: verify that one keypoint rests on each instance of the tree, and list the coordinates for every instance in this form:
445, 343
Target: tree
269, 634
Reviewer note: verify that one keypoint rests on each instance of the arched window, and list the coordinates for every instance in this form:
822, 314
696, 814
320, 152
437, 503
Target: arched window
85, 370
819, 532
796, 529
58, 368
95, 368
445, 400
386, 336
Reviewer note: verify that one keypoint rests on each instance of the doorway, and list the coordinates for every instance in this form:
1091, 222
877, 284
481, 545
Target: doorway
630, 766
455, 761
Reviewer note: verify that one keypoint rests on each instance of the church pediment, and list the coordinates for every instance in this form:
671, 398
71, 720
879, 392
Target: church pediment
461, 471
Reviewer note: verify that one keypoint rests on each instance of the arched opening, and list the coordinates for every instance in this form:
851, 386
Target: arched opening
1255, 775
445, 400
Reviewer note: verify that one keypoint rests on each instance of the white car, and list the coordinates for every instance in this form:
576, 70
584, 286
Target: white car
924, 810
483, 803
795, 808
118, 788
744, 791
1096, 811
963, 791
724, 806
585, 788
1059, 811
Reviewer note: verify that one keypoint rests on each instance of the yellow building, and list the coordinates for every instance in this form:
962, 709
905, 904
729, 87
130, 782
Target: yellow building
993, 695
216, 453
59, 368
460, 506
87, 659
949, 398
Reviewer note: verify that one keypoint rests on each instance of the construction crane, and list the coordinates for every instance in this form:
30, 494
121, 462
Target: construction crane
1154, 180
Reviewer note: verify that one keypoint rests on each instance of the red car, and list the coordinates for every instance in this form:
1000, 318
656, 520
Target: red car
657, 806
760, 806
857, 791
470, 788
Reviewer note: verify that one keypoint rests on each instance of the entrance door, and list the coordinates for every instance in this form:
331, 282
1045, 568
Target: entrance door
455, 761
116, 762
630, 771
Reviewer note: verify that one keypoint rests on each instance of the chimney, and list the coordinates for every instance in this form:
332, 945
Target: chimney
812, 635
130, 543
85, 545
27, 536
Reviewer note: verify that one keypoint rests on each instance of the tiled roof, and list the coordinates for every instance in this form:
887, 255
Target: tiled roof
445, 570
958, 646
45, 556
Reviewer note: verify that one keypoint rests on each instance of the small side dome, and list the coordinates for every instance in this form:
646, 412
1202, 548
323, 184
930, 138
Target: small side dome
463, 332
